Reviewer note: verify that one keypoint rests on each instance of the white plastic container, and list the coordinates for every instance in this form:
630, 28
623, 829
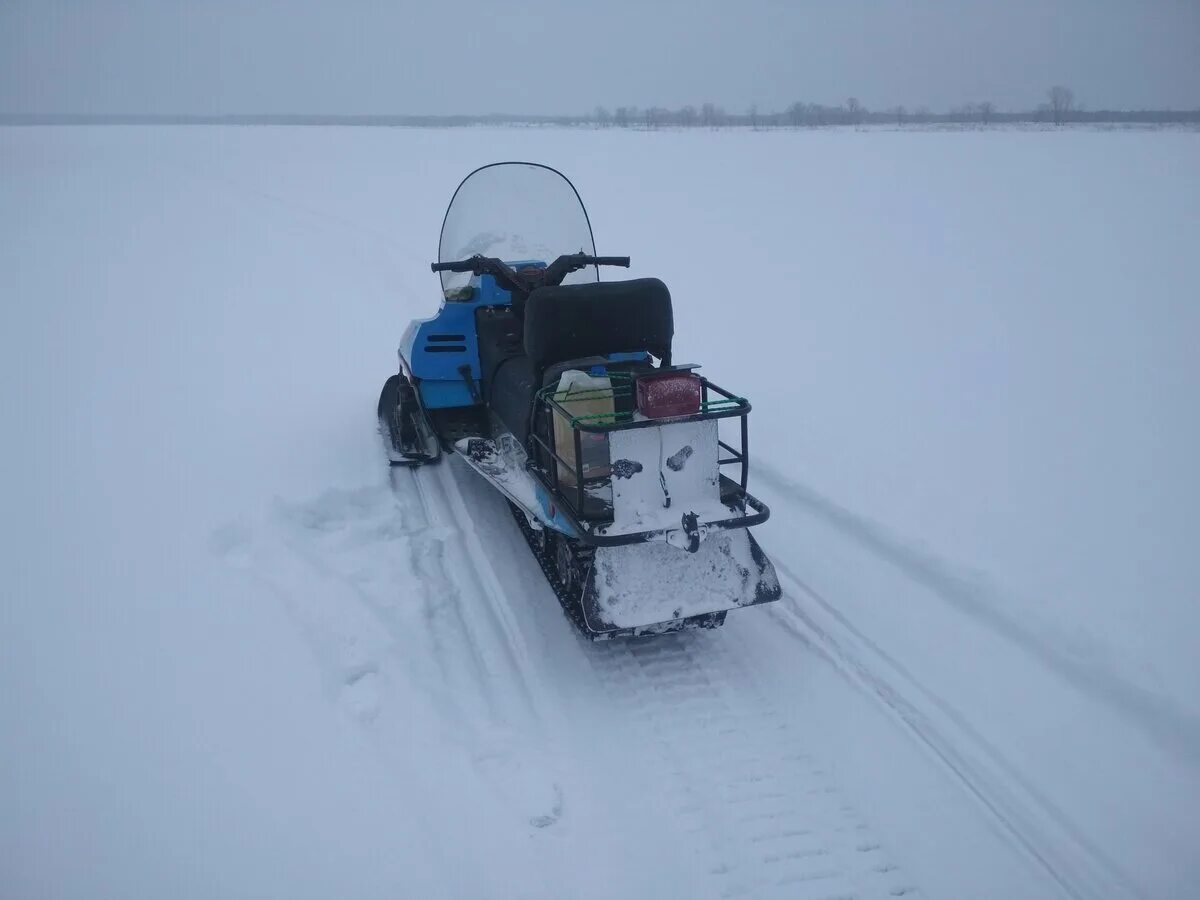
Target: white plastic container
582, 394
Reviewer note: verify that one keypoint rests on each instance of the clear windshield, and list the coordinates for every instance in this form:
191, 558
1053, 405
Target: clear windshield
516, 212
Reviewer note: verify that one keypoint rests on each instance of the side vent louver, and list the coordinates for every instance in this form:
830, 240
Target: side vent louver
446, 343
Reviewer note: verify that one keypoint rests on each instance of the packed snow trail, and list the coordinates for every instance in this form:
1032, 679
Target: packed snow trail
1175, 729
706, 666
862, 601
1031, 820
762, 816
750, 812
687, 725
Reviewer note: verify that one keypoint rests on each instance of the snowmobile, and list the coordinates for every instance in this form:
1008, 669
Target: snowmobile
625, 472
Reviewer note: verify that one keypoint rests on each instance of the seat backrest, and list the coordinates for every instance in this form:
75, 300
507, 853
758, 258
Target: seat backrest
575, 320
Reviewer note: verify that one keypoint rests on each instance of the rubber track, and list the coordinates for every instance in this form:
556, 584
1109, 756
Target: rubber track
571, 609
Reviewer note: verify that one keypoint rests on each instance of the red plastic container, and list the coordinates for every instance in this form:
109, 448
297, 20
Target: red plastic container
669, 394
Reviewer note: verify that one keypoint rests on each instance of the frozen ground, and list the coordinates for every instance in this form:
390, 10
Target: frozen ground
240, 658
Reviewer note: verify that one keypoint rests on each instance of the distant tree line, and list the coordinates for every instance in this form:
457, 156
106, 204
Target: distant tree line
1059, 108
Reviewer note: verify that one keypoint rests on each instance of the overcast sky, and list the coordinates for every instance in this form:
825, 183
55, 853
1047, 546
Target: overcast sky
556, 56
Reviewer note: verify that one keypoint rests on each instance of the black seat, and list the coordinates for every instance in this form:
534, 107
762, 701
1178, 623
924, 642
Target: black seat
575, 320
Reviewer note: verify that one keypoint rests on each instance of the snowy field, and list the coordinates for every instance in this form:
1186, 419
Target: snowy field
239, 658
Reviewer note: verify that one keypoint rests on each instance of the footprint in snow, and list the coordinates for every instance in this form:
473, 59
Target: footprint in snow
555, 811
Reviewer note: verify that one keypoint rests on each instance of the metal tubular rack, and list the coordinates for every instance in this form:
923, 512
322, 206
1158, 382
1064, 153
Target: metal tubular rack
546, 462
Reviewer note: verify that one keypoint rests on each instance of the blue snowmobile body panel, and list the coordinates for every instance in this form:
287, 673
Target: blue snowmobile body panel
436, 349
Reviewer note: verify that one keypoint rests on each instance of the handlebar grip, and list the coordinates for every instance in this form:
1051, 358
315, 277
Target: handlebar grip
465, 265
612, 261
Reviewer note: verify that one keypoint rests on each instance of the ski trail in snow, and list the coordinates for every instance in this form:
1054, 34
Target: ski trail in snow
757, 815
392, 585
762, 818
496, 639
1172, 728
480, 581
374, 579
349, 645
350, 539
1026, 815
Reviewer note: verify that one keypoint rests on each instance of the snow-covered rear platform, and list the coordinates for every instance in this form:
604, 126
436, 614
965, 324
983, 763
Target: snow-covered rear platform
655, 581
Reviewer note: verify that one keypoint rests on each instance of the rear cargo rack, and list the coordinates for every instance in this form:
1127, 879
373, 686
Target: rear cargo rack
623, 390
550, 465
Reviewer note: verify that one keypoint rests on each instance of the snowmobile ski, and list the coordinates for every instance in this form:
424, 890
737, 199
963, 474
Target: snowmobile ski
407, 438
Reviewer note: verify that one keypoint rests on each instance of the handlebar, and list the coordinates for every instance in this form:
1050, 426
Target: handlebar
568, 262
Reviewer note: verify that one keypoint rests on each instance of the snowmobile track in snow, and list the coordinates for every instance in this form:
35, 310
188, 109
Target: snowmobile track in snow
1029, 818
762, 817
1159, 718
345, 565
755, 812
439, 494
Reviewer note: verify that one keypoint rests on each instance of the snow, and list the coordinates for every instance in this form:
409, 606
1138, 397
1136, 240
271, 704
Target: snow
241, 658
